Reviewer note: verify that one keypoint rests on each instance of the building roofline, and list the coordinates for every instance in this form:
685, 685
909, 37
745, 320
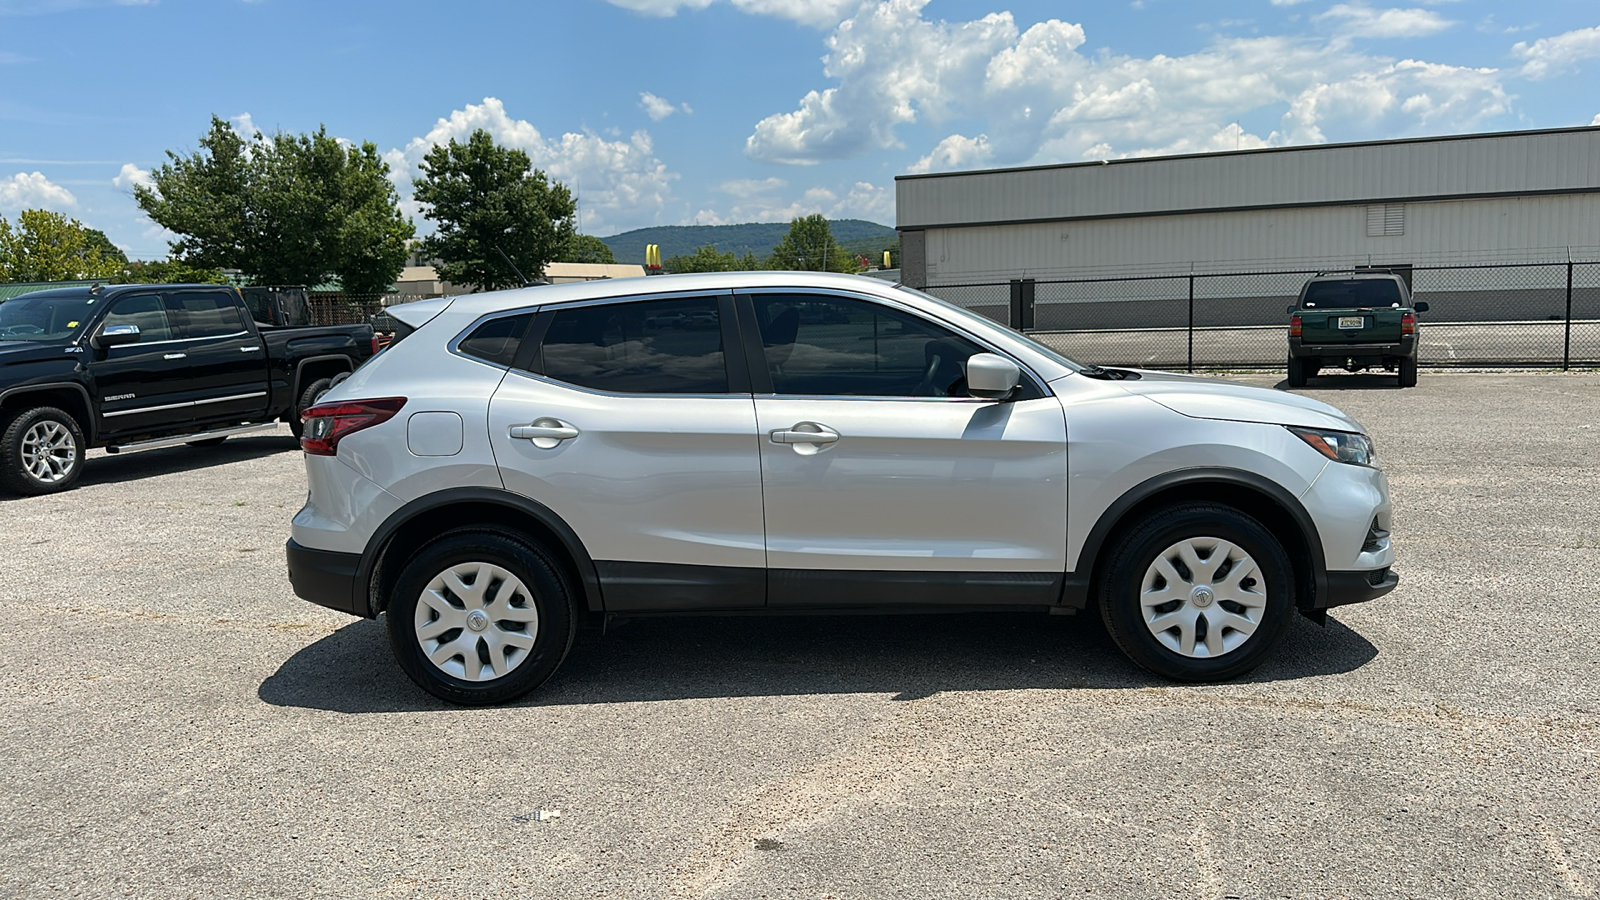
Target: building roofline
1298, 148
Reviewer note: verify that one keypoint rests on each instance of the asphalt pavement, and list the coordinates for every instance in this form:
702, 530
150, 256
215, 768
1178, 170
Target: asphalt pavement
178, 724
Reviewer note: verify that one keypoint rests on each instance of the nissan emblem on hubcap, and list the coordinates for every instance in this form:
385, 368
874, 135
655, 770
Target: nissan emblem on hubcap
477, 620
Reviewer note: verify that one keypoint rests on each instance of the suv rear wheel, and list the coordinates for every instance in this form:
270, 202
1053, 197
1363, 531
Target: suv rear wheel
1297, 372
479, 618
1198, 592
1408, 373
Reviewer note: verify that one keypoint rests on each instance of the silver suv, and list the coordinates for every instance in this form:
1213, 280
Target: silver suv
520, 464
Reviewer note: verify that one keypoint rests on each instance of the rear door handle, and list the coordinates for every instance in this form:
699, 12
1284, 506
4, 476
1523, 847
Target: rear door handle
805, 433
248, 349
545, 433
175, 356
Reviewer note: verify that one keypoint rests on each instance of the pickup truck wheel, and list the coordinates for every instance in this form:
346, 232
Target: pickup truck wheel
1297, 372
1197, 592
308, 399
479, 618
1408, 373
43, 452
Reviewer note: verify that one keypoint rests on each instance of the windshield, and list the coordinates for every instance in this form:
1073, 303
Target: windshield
49, 319
970, 315
1353, 294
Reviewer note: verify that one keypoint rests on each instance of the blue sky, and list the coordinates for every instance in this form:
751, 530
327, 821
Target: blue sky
719, 111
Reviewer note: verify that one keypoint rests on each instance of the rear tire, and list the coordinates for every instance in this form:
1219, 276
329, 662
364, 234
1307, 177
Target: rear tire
1297, 372
479, 618
1197, 592
308, 399
41, 452
1408, 373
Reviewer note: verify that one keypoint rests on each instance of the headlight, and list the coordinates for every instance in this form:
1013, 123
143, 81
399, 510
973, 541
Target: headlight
1339, 446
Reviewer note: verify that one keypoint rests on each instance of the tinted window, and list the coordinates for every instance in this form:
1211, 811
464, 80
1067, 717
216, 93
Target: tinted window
207, 313
837, 346
496, 340
1352, 294
653, 347
146, 311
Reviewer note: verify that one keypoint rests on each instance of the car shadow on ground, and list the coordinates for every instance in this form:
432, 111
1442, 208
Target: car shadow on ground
1347, 381
117, 468
910, 657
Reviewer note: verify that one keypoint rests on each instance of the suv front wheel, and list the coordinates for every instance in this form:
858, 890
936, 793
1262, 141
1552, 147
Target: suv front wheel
479, 618
1197, 592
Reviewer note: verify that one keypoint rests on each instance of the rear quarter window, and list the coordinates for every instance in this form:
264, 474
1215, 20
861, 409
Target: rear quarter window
495, 341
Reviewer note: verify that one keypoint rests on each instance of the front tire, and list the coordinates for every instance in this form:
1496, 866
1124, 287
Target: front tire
43, 450
1197, 592
479, 618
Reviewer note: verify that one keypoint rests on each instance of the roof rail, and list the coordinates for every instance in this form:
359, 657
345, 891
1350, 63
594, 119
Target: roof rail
1364, 270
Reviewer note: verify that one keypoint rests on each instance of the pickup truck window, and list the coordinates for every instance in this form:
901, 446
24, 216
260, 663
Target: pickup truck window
144, 310
207, 313
1353, 294
49, 319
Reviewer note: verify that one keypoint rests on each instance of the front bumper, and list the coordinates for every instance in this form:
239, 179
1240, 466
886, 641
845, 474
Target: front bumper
1345, 588
325, 577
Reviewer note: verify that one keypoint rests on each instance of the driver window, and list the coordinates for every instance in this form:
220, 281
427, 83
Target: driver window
144, 310
839, 346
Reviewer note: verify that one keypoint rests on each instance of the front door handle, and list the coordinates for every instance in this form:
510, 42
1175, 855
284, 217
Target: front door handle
805, 433
249, 349
175, 356
545, 433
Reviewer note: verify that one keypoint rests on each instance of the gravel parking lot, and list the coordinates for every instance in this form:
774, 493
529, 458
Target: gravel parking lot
178, 724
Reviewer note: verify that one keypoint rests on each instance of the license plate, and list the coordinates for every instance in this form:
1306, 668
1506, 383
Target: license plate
1351, 322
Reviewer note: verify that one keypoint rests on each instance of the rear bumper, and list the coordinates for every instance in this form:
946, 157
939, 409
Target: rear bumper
1406, 347
1345, 588
325, 577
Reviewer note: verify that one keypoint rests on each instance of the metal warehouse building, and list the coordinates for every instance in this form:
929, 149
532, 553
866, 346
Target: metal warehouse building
1190, 260
1513, 197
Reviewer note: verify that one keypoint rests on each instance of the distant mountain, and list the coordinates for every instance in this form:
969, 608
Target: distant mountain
757, 237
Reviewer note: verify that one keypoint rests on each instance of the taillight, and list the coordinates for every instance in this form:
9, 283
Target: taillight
374, 344
1294, 326
328, 423
1408, 323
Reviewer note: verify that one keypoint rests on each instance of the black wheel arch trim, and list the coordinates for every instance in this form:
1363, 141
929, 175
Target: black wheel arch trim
299, 385
570, 543
90, 428
1079, 581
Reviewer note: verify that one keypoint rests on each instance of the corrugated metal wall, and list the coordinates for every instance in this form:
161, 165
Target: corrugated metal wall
1516, 229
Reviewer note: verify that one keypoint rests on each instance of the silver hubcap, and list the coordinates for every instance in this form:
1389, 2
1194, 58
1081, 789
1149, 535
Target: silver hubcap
476, 621
1202, 597
48, 451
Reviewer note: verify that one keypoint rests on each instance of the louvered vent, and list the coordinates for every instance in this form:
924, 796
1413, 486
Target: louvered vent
1386, 220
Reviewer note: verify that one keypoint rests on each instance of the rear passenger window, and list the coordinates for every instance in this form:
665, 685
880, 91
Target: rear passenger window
647, 347
207, 313
497, 340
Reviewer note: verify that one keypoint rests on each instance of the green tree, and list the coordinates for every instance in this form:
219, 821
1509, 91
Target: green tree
707, 259
48, 246
167, 272
809, 247
584, 248
292, 209
485, 200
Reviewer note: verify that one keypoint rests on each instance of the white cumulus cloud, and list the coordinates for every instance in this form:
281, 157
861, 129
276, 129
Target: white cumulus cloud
620, 184
819, 13
1359, 20
33, 191
763, 201
1044, 94
1555, 55
132, 176
658, 108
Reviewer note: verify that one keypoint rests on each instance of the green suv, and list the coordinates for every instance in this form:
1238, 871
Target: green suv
1354, 321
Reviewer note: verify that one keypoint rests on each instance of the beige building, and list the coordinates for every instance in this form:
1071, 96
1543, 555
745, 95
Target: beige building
422, 282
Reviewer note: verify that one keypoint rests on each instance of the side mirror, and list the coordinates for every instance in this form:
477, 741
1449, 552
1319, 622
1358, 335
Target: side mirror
1420, 306
115, 336
992, 377
1290, 310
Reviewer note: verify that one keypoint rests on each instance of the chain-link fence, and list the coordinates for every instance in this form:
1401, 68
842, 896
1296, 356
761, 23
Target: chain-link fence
347, 309
1535, 314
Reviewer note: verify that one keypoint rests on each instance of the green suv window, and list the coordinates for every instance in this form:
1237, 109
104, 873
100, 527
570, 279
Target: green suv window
1353, 294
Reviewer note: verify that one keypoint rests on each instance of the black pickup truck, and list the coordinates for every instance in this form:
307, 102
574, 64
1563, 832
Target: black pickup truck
137, 366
